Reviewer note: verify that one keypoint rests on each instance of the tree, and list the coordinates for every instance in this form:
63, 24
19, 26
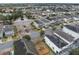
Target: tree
51, 15
74, 51
9, 19
32, 23
4, 35
62, 25
29, 15
27, 37
41, 33
2, 17
54, 28
44, 9
17, 14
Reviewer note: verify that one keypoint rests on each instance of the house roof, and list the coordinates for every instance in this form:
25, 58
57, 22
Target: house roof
57, 41
8, 28
45, 20
74, 28
39, 22
66, 36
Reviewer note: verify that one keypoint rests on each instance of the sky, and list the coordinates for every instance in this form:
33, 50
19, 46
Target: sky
39, 1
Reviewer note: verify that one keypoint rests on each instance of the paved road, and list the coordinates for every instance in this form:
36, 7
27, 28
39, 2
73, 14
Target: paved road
29, 46
6, 46
19, 48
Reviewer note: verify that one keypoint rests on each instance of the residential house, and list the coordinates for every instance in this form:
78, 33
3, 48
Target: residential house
41, 23
61, 40
8, 30
38, 24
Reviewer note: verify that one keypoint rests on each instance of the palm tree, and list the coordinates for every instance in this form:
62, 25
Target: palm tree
27, 37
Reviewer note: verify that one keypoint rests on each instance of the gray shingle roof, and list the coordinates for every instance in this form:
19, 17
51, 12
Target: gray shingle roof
65, 35
74, 28
8, 28
39, 22
57, 41
45, 21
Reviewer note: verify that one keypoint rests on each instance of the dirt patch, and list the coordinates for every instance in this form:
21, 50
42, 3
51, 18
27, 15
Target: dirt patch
41, 48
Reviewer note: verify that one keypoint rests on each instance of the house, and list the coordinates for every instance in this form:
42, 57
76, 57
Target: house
55, 42
38, 24
8, 30
61, 40
41, 23
76, 18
